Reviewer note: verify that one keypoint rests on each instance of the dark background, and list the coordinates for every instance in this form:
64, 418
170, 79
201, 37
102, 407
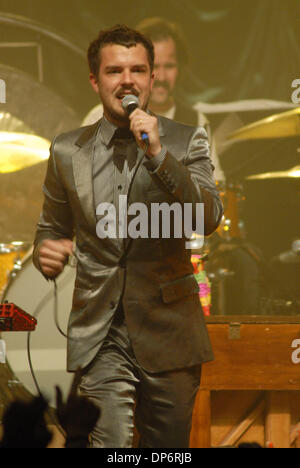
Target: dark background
239, 49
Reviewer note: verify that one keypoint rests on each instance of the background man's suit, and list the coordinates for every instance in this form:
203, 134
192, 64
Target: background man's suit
153, 278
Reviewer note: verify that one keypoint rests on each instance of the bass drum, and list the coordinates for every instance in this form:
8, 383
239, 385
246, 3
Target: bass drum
31, 292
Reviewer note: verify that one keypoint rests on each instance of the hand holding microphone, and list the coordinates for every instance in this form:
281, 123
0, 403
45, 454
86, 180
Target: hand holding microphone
143, 126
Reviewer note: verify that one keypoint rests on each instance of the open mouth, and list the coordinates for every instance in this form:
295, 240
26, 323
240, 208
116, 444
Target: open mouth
122, 94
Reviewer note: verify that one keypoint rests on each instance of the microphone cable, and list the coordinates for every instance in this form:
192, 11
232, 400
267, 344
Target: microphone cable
35, 314
51, 414
56, 312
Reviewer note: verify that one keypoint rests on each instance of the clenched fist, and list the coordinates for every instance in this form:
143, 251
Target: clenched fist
53, 255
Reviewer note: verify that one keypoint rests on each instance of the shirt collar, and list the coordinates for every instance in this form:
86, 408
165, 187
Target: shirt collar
107, 130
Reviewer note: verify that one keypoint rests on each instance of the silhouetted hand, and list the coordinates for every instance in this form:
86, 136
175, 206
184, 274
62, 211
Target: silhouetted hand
24, 425
77, 416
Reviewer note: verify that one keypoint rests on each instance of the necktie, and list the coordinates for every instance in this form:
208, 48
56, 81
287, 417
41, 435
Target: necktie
123, 133
124, 148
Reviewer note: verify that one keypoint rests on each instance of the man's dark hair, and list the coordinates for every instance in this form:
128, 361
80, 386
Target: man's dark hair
121, 35
158, 29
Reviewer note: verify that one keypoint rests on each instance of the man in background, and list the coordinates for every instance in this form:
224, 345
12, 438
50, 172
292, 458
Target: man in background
242, 287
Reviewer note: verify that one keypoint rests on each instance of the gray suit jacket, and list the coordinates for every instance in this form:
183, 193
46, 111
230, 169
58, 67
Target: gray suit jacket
152, 277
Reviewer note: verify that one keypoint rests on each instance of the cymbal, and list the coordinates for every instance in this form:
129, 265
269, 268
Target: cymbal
21, 150
293, 173
21, 200
285, 124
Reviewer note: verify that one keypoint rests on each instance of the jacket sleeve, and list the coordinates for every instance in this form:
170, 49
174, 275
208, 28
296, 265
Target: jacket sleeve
56, 221
191, 180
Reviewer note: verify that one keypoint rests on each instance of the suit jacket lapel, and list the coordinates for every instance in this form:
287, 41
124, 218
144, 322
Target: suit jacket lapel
83, 172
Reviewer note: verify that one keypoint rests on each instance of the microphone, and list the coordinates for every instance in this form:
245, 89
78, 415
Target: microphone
129, 103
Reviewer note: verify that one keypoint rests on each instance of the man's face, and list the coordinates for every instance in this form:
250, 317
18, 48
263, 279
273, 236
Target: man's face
165, 71
122, 71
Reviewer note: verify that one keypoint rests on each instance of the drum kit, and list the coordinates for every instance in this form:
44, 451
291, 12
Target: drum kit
20, 283
237, 274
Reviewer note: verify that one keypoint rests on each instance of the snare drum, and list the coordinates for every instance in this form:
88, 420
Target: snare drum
10, 260
30, 291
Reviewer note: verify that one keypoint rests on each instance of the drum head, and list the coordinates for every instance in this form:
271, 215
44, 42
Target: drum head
31, 292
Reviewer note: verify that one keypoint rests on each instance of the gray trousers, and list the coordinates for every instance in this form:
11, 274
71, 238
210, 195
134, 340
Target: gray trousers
160, 405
